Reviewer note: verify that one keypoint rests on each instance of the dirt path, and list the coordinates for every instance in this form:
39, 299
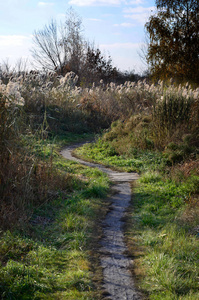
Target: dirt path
118, 281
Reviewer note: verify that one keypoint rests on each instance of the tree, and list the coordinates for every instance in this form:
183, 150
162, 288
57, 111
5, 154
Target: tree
173, 32
73, 41
59, 48
63, 49
48, 52
97, 66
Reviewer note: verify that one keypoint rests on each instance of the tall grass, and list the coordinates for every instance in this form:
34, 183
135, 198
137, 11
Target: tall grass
36, 106
27, 115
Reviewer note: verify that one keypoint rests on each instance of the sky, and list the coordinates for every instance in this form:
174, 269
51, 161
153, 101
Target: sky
115, 26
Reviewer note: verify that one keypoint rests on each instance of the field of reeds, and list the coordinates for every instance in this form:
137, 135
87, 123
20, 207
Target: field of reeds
149, 128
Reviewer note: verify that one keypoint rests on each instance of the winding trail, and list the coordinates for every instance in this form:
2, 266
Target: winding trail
118, 282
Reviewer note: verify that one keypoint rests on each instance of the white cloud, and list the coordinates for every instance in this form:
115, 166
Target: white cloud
104, 2
96, 2
127, 25
14, 47
139, 14
13, 40
94, 20
135, 2
44, 4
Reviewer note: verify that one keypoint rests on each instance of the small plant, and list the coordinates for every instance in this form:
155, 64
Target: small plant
150, 177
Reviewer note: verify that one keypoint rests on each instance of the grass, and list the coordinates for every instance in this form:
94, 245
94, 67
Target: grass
104, 153
49, 255
169, 258
161, 231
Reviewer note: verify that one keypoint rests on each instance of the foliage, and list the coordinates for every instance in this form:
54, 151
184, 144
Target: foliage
173, 111
173, 40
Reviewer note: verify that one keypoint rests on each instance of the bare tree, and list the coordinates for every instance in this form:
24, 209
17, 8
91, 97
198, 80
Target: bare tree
21, 65
58, 47
74, 41
63, 48
6, 66
49, 53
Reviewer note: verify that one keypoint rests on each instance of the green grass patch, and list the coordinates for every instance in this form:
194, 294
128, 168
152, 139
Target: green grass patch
48, 256
160, 230
169, 259
104, 153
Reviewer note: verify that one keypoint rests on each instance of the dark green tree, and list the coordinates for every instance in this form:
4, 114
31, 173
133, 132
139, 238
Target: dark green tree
97, 66
173, 32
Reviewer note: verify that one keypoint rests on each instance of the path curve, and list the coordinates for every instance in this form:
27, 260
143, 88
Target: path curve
118, 282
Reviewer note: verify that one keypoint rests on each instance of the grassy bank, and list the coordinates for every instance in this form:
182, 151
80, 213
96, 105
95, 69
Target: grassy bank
48, 254
162, 228
163, 236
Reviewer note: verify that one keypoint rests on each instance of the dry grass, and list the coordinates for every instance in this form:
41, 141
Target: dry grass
27, 182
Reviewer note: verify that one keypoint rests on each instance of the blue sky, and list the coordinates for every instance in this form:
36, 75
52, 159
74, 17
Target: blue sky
116, 26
